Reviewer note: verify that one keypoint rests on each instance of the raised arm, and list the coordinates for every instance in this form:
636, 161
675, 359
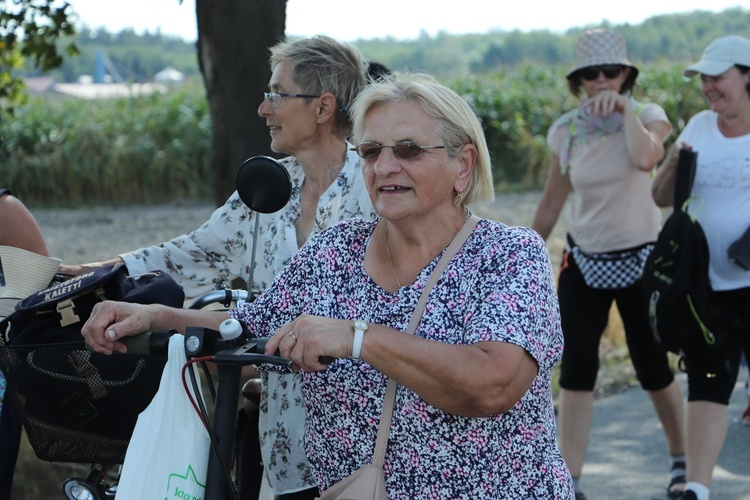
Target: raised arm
645, 143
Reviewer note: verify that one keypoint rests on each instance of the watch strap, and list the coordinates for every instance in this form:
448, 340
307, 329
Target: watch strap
359, 335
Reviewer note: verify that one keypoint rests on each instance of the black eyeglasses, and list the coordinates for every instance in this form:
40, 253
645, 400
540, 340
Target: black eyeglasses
610, 71
275, 97
406, 150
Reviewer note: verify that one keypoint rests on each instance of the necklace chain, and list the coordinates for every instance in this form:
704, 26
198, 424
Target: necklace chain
388, 249
390, 260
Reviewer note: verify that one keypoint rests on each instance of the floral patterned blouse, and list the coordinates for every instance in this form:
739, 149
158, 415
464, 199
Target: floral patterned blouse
499, 287
209, 257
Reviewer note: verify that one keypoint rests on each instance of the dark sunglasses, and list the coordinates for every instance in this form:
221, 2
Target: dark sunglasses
406, 150
610, 71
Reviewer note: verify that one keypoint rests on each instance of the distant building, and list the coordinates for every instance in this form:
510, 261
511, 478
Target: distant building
105, 83
87, 90
107, 90
169, 76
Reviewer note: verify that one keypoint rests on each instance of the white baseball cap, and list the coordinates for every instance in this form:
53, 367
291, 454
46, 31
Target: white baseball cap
720, 55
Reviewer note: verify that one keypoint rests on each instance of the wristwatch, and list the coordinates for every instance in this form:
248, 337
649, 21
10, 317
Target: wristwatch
359, 332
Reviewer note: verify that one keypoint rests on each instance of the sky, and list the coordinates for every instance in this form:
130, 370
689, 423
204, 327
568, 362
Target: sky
403, 19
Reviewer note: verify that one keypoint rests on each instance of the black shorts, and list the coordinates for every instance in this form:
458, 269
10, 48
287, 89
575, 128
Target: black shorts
584, 312
712, 377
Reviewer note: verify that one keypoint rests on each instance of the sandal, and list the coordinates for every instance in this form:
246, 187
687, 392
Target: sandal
746, 416
677, 484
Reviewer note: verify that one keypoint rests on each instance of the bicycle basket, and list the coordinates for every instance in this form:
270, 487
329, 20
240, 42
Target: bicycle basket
77, 405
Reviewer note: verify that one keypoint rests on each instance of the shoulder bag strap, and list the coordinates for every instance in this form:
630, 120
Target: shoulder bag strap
384, 428
684, 178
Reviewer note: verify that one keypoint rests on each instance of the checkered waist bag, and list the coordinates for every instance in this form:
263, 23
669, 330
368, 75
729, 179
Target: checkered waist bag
610, 270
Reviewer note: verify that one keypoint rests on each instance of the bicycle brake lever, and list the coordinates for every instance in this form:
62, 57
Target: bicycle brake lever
260, 346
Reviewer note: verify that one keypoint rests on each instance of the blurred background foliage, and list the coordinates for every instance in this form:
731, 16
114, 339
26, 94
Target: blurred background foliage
148, 149
67, 152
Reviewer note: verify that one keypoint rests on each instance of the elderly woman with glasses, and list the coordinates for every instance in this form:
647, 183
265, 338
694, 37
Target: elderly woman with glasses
313, 83
473, 414
603, 153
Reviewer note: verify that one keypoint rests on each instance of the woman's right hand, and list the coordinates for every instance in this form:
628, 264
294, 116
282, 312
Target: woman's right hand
112, 320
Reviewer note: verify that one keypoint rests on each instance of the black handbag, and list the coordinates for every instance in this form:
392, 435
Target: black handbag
680, 299
77, 405
58, 313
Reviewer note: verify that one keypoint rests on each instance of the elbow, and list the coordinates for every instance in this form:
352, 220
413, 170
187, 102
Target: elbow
646, 166
491, 403
647, 163
647, 160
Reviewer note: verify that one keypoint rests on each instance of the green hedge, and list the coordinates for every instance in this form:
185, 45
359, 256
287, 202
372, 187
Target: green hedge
64, 151
157, 148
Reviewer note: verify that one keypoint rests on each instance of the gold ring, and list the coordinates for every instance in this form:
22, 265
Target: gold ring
291, 334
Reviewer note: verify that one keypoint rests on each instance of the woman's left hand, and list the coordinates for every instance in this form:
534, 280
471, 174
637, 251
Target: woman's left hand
309, 341
606, 102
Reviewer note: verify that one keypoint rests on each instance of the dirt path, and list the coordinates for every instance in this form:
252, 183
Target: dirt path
96, 233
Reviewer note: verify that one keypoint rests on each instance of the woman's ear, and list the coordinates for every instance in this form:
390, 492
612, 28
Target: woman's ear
327, 107
467, 159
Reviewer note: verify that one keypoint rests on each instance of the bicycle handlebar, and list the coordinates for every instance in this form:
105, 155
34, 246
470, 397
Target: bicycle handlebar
224, 297
205, 342
149, 343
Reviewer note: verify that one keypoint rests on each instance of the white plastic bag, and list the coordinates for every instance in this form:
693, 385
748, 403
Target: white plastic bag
168, 453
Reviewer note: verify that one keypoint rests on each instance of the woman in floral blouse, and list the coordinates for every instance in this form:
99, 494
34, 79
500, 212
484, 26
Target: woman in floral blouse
473, 415
313, 82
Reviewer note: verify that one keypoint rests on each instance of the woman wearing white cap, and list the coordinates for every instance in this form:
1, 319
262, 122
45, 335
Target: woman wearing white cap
721, 137
602, 156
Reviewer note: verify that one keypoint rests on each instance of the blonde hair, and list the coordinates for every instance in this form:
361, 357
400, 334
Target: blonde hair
458, 125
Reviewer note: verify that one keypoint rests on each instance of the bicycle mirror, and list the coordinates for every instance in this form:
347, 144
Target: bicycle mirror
263, 184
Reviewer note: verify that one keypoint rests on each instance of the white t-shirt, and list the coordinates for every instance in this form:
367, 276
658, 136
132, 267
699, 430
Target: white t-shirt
722, 192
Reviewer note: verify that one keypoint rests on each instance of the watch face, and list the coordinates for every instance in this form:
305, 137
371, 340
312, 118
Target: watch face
360, 325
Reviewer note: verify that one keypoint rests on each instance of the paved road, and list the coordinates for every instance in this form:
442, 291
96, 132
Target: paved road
627, 455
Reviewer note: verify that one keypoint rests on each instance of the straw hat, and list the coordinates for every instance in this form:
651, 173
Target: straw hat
601, 46
720, 55
25, 273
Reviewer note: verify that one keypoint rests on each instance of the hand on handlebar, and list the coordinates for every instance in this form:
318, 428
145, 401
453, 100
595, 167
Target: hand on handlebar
110, 321
311, 341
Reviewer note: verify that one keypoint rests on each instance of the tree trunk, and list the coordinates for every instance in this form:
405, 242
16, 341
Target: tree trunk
233, 41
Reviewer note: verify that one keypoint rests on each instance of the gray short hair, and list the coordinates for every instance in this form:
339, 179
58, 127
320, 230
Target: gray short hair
322, 64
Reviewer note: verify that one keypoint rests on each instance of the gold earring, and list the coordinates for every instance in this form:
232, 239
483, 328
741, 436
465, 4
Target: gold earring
459, 197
